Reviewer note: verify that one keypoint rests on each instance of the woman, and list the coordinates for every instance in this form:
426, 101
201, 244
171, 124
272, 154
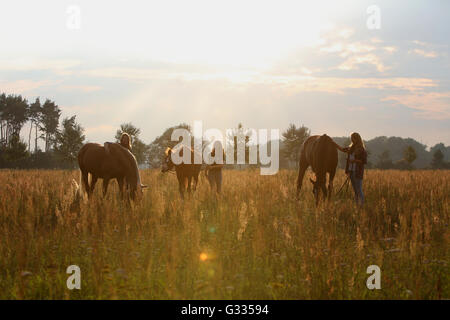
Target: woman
214, 171
354, 168
125, 140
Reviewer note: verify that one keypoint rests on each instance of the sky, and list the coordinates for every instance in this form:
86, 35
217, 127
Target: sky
265, 64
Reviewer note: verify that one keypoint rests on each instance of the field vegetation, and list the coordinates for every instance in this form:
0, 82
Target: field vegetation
254, 241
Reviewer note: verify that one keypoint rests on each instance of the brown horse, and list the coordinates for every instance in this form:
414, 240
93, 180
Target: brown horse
115, 161
186, 172
319, 152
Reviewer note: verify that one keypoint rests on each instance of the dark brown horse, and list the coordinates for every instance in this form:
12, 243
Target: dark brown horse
321, 154
113, 162
186, 172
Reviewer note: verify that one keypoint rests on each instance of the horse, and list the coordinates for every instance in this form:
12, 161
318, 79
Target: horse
112, 161
186, 172
319, 152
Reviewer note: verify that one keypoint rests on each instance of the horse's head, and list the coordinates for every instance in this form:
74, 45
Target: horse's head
167, 162
131, 171
136, 190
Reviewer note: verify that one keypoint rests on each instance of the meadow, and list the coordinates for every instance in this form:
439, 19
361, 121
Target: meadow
254, 241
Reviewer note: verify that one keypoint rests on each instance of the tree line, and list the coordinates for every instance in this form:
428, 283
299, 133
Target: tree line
61, 141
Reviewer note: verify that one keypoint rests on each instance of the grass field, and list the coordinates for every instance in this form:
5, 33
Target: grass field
255, 241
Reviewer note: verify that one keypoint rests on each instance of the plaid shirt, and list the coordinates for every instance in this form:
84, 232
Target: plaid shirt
360, 154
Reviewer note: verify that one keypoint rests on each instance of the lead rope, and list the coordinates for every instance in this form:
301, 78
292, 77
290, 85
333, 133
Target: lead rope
345, 183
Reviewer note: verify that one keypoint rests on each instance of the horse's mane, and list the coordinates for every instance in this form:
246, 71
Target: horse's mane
128, 160
178, 147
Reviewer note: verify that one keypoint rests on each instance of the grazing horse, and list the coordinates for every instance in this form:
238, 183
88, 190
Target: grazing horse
319, 152
186, 172
112, 161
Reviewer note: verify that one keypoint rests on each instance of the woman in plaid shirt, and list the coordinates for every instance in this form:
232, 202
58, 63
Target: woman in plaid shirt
354, 168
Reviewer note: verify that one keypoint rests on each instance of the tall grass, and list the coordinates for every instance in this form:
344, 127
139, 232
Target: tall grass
255, 241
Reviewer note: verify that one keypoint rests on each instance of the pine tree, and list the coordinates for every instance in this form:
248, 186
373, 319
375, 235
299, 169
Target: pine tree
293, 139
69, 141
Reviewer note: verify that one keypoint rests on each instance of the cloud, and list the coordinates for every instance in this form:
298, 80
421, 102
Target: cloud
390, 49
423, 53
87, 110
358, 108
32, 64
431, 105
126, 73
20, 86
340, 85
82, 88
354, 52
419, 43
371, 59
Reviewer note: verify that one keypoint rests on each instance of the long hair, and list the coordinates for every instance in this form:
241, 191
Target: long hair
357, 141
125, 140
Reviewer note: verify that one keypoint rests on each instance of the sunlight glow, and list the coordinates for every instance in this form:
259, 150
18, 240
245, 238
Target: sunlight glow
237, 33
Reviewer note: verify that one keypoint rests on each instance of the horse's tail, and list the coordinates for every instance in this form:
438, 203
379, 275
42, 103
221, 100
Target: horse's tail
322, 146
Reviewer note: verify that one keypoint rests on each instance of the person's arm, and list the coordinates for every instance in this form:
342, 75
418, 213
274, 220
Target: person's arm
340, 148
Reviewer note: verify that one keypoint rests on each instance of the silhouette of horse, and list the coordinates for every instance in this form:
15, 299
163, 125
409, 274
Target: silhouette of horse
108, 163
186, 172
319, 152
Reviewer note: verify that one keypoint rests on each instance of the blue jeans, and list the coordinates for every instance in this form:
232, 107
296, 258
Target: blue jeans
357, 188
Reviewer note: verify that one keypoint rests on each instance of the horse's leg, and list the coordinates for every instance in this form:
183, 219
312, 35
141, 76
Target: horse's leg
93, 182
331, 175
85, 180
181, 189
181, 185
195, 182
219, 181
301, 174
189, 185
105, 186
120, 183
324, 189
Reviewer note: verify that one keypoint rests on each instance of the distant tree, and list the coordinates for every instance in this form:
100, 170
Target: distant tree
13, 115
139, 148
293, 139
69, 141
34, 115
2, 120
159, 145
50, 114
18, 112
384, 160
409, 155
129, 128
15, 150
438, 160
240, 135
396, 147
